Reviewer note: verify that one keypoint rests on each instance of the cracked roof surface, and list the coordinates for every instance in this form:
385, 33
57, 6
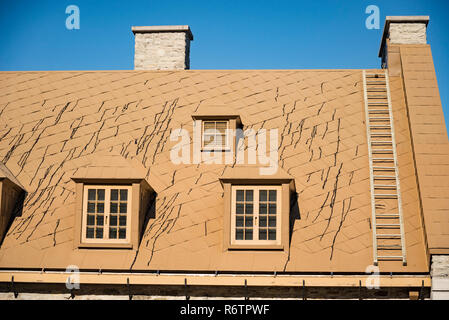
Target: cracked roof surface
55, 124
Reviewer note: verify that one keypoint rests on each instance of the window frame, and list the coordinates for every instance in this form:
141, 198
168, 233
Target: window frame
256, 202
107, 202
227, 145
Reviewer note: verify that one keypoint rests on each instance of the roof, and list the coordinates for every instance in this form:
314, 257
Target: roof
54, 124
5, 173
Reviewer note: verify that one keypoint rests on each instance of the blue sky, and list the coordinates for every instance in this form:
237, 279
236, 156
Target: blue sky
231, 34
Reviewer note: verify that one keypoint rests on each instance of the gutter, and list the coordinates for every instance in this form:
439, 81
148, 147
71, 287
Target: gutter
105, 278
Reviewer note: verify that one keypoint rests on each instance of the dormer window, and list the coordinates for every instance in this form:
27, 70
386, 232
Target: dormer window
215, 135
106, 214
256, 215
218, 127
111, 204
256, 209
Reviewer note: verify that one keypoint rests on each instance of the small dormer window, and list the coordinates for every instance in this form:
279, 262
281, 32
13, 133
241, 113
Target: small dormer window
216, 127
215, 134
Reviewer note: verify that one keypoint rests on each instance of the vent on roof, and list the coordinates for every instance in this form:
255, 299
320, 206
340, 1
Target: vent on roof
162, 47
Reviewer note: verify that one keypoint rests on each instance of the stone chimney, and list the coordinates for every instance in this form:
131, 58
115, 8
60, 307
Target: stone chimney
402, 30
162, 47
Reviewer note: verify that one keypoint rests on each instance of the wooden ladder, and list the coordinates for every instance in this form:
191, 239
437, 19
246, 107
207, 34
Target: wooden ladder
387, 218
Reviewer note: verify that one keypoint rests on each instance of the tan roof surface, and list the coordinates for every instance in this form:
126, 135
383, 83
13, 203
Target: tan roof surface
53, 124
5, 173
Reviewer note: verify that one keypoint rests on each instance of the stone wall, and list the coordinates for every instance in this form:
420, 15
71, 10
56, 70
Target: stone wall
440, 277
159, 292
408, 33
162, 51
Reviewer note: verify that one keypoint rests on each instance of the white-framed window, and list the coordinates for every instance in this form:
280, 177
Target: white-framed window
214, 134
256, 215
106, 214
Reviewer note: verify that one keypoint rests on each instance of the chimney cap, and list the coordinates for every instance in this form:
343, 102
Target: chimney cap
399, 19
155, 29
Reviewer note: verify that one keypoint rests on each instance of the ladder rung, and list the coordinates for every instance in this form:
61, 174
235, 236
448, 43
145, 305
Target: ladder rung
385, 196
384, 177
389, 257
385, 168
378, 111
381, 143
383, 159
388, 225
381, 134
381, 151
387, 216
388, 236
379, 118
389, 186
380, 126
389, 246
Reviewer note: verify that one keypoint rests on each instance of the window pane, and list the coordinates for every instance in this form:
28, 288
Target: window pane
239, 208
221, 126
90, 220
123, 206
208, 125
122, 233
272, 196
272, 208
90, 233
262, 221
239, 221
248, 234
239, 234
113, 220
114, 207
122, 220
239, 195
249, 208
249, 195
100, 194
99, 233
91, 207
112, 233
262, 234
208, 138
100, 220
272, 221
221, 139
114, 194
271, 234
91, 194
123, 195
262, 208
100, 207
263, 195
248, 221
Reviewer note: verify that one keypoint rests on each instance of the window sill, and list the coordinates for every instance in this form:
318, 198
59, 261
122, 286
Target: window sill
218, 149
277, 247
105, 246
